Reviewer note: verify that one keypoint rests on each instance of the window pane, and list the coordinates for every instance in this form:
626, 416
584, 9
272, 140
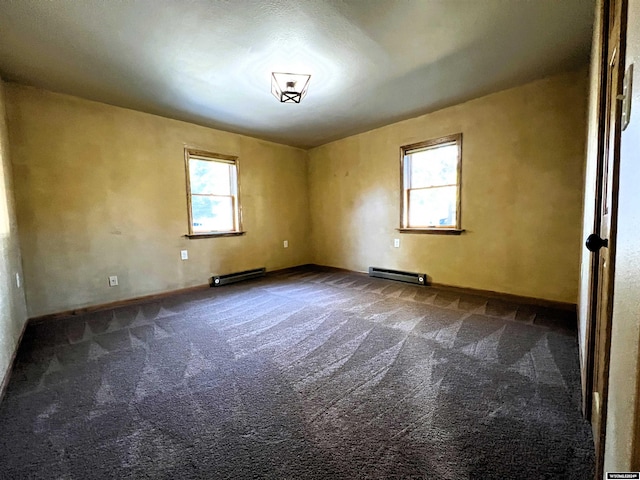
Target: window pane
433, 207
434, 166
212, 214
209, 177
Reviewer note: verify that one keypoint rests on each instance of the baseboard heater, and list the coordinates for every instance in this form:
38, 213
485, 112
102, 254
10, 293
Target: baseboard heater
219, 280
410, 277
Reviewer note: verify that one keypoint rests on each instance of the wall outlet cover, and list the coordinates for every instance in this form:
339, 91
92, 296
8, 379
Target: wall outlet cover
184, 254
113, 281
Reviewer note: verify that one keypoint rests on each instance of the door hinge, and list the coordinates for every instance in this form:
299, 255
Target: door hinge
627, 95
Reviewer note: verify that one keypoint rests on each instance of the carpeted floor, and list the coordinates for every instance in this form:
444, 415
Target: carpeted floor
302, 375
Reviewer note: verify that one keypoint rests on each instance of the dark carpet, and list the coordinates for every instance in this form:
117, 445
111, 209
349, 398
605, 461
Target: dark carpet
302, 375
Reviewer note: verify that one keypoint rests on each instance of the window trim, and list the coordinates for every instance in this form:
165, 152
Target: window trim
404, 201
221, 158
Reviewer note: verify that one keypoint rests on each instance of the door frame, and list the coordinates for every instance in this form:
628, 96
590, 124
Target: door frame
594, 262
594, 308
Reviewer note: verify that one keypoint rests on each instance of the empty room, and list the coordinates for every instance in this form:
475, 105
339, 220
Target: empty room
319, 239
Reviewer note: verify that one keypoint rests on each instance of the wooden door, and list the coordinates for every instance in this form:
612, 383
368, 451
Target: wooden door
602, 241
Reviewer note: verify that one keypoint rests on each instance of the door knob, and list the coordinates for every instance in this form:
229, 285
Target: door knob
595, 243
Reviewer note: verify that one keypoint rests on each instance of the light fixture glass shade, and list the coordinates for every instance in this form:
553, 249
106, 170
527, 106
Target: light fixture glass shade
289, 87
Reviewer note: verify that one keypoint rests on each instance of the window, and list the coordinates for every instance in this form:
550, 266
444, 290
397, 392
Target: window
212, 193
431, 185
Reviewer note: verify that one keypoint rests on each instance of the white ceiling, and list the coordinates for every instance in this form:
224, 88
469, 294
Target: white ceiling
372, 62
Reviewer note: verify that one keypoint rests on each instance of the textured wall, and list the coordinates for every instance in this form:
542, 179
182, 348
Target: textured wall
623, 416
100, 191
12, 304
522, 175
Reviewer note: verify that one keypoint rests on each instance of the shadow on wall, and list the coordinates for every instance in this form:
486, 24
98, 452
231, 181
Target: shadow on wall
366, 213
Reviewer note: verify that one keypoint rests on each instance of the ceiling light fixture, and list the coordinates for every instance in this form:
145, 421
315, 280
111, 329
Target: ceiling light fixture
289, 87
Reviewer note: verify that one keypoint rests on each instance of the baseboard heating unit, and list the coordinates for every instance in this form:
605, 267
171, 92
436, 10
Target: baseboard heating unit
219, 280
410, 277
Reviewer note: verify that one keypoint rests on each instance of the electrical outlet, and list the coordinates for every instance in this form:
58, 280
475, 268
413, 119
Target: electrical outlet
396, 242
113, 281
184, 255
286, 244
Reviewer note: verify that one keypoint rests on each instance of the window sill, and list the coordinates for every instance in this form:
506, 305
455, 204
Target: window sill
214, 235
432, 231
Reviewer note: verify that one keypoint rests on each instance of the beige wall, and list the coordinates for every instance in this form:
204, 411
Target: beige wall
522, 175
12, 304
623, 415
100, 191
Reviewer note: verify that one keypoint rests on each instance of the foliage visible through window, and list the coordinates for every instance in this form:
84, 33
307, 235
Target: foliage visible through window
431, 184
212, 183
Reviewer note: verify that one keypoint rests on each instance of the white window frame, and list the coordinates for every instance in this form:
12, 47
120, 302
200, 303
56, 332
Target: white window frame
190, 153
